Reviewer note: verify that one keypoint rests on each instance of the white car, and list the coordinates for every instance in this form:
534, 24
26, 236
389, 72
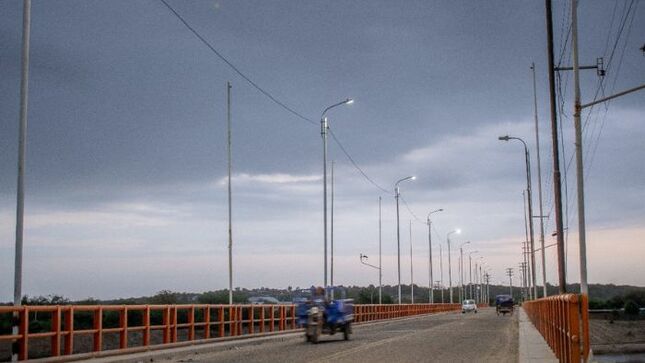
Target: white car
469, 306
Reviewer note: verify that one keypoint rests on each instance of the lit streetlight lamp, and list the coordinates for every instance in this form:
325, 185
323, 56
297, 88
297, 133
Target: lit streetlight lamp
449, 261
530, 205
398, 232
324, 126
429, 222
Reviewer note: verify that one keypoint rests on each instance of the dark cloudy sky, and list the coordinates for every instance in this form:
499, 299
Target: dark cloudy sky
126, 158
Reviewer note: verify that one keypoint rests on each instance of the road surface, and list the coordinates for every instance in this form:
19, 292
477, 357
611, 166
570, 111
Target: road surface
448, 337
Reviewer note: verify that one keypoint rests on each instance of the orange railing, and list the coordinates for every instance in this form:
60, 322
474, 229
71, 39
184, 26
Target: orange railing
563, 321
364, 313
90, 329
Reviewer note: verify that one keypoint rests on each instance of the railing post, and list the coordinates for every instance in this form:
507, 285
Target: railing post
146, 326
98, 329
584, 312
191, 323
123, 325
251, 319
55, 340
166, 324
173, 324
207, 322
69, 326
23, 330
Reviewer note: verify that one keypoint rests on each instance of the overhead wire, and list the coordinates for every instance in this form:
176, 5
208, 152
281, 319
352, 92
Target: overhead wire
234, 68
269, 95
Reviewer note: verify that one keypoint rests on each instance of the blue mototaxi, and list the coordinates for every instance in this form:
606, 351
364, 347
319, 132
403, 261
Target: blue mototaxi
320, 316
504, 304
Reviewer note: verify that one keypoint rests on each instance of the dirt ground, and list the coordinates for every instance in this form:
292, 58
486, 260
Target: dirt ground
619, 336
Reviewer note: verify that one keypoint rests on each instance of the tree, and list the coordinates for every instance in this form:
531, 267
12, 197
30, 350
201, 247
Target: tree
631, 309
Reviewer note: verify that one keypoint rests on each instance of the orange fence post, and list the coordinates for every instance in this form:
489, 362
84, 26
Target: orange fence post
191, 323
69, 327
23, 330
123, 326
207, 321
55, 340
146, 326
97, 342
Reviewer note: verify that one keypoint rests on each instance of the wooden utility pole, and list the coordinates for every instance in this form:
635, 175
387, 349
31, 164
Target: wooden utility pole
557, 184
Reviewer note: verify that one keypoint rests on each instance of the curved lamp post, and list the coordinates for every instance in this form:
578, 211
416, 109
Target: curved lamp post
470, 269
364, 257
461, 271
398, 233
431, 296
323, 131
529, 192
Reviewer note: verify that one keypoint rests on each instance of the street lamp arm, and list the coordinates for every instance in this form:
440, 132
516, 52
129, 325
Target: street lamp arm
367, 264
348, 101
434, 211
411, 177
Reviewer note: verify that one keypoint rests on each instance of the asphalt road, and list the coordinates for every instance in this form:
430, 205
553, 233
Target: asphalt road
450, 337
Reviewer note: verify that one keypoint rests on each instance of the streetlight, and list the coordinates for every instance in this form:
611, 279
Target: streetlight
461, 270
470, 268
441, 271
458, 231
364, 257
398, 233
528, 188
323, 131
431, 296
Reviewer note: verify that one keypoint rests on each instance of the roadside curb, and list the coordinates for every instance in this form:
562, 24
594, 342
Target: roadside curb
533, 347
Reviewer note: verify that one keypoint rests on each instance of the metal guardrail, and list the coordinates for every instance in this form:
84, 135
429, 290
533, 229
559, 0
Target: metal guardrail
147, 326
563, 321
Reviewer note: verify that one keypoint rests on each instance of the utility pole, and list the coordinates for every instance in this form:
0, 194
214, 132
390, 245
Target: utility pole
487, 288
411, 269
331, 233
509, 273
579, 174
526, 248
429, 222
380, 271
441, 271
557, 188
22, 148
230, 202
539, 170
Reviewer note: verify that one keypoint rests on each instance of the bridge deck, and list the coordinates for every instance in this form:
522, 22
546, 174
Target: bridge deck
452, 337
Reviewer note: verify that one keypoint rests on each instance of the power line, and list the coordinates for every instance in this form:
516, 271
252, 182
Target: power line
269, 95
360, 170
234, 68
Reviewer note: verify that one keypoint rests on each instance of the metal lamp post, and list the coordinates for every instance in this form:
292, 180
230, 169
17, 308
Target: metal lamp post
449, 261
429, 222
470, 269
530, 205
461, 271
398, 231
364, 257
323, 131
441, 271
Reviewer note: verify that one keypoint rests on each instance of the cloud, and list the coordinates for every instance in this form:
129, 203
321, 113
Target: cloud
276, 178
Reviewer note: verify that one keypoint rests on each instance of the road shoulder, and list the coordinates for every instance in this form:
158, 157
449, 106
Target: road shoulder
533, 347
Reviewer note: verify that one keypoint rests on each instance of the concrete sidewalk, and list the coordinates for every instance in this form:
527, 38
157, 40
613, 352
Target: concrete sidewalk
533, 347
